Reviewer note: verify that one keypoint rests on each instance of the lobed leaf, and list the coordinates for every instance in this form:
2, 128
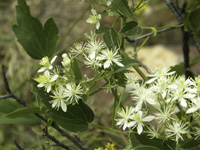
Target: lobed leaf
37, 41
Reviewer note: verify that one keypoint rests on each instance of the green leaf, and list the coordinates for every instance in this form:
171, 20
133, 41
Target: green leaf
190, 144
76, 70
144, 140
194, 19
111, 39
102, 29
146, 147
131, 29
179, 68
197, 37
129, 26
76, 118
8, 106
127, 62
115, 39
37, 41
133, 139
193, 148
20, 112
134, 32
122, 7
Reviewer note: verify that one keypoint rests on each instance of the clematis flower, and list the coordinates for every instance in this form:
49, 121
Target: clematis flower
124, 117
194, 106
59, 98
94, 18
79, 49
137, 119
93, 47
46, 80
160, 72
46, 64
110, 57
73, 93
176, 130
165, 114
141, 95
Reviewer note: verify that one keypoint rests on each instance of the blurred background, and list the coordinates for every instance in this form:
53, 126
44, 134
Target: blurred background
162, 50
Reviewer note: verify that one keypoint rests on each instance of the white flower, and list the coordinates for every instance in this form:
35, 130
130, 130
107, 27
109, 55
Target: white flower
181, 95
176, 129
93, 47
165, 114
131, 79
141, 95
161, 86
110, 57
194, 106
124, 117
93, 63
73, 93
94, 18
152, 132
66, 61
59, 98
160, 72
46, 80
137, 120
46, 64
79, 49
197, 133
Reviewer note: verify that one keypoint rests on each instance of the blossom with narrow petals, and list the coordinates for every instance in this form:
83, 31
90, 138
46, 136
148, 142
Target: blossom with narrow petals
138, 119
46, 64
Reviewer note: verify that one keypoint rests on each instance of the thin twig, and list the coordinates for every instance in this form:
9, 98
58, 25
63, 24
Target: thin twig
72, 139
175, 10
22, 102
17, 145
6, 85
58, 143
149, 34
6, 96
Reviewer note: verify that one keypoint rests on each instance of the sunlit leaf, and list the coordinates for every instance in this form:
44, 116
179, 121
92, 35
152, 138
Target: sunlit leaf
37, 40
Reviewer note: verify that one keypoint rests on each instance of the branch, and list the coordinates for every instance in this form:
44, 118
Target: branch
150, 34
175, 10
22, 102
17, 145
58, 143
6, 96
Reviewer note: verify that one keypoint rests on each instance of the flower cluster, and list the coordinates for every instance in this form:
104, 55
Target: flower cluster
166, 106
61, 81
96, 55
